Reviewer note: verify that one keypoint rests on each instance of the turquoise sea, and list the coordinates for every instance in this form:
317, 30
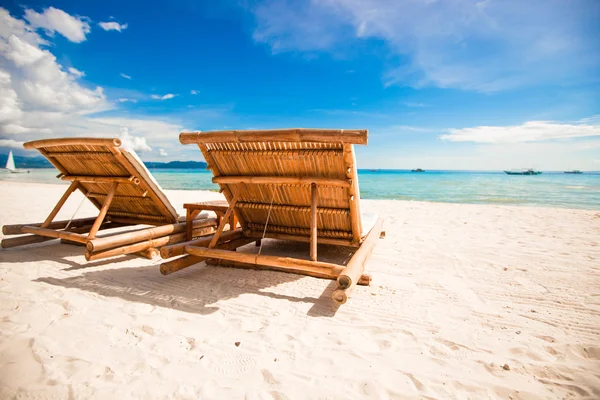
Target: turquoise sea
553, 189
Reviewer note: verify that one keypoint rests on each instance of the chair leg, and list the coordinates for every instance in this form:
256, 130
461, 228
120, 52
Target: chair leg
60, 203
103, 211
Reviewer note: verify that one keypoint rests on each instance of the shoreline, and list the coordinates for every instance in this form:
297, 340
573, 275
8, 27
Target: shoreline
419, 202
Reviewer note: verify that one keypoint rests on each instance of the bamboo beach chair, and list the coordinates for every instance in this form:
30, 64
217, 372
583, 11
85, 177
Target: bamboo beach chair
290, 184
117, 182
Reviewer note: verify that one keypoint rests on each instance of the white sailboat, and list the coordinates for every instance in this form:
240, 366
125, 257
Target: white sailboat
10, 165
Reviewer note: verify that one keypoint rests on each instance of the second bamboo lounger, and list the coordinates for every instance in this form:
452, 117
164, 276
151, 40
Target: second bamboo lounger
116, 181
289, 184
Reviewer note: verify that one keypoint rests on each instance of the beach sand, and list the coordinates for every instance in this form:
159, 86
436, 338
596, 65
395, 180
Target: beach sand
467, 302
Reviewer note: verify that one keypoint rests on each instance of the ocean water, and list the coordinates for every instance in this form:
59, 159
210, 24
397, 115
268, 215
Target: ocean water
552, 189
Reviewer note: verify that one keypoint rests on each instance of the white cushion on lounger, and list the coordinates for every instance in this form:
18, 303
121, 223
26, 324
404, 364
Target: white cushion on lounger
368, 222
138, 164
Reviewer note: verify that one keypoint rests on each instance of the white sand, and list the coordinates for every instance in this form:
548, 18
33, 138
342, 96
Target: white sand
458, 292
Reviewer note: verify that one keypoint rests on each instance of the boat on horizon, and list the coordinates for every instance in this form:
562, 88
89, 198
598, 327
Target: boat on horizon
575, 171
528, 171
417, 170
10, 165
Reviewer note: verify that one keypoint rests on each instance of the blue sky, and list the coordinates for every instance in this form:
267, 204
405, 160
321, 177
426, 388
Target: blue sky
454, 84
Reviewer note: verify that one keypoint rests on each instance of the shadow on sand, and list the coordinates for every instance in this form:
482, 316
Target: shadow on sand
196, 289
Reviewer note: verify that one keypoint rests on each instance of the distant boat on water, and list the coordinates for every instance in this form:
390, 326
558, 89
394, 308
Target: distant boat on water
575, 171
10, 165
417, 170
528, 171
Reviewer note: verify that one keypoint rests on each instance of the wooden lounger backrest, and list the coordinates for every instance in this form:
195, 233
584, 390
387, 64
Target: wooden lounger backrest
97, 164
272, 171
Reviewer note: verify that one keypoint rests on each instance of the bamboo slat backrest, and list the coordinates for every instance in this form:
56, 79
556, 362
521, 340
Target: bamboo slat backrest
139, 200
281, 165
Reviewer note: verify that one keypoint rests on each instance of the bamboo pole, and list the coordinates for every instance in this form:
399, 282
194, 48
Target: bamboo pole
352, 174
102, 179
274, 261
340, 296
178, 264
72, 187
313, 222
30, 239
134, 248
143, 245
36, 144
364, 279
108, 242
178, 249
141, 217
292, 208
16, 229
103, 211
301, 238
74, 237
280, 180
356, 265
351, 136
118, 196
148, 253
224, 220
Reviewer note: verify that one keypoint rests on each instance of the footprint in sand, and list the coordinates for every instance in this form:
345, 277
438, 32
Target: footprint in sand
449, 350
548, 339
590, 352
230, 365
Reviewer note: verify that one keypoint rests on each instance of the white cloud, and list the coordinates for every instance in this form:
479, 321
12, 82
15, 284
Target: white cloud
528, 132
194, 92
414, 104
125, 76
165, 97
468, 44
11, 143
54, 20
162, 152
35, 91
112, 26
126, 100
41, 99
75, 72
135, 143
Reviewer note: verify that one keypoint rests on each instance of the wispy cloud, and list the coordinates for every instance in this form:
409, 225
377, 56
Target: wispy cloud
11, 143
76, 72
164, 97
531, 131
162, 152
126, 100
53, 20
125, 76
193, 92
39, 98
112, 26
467, 44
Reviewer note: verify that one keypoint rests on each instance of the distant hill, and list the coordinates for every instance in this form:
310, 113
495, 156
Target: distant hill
26, 162
177, 164
41, 162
